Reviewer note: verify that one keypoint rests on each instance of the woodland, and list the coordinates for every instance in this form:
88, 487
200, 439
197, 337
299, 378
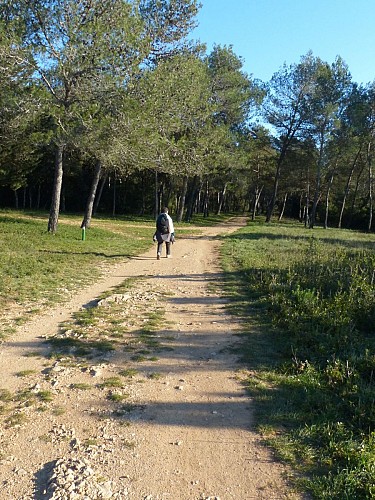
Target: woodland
109, 106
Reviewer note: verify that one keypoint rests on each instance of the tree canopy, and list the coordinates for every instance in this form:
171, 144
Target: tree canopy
113, 100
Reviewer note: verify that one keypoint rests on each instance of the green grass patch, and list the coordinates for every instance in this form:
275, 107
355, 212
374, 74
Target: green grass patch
5, 395
81, 386
309, 299
80, 347
16, 419
129, 372
45, 396
155, 376
90, 442
117, 398
128, 408
111, 382
25, 373
4, 409
138, 358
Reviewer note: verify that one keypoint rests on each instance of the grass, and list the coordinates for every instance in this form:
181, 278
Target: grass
111, 382
128, 408
155, 376
25, 373
90, 442
81, 386
117, 398
308, 298
15, 419
45, 396
5, 395
138, 358
129, 372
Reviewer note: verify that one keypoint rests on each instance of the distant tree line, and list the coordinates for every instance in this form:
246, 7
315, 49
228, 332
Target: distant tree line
109, 106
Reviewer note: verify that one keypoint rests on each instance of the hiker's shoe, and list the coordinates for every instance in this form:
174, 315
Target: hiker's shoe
169, 256
158, 256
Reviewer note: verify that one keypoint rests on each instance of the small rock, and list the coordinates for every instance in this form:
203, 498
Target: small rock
20, 472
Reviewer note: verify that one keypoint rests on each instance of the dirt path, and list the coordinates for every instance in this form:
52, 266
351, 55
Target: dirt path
189, 432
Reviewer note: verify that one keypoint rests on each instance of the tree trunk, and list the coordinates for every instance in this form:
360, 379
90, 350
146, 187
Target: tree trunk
192, 199
314, 206
157, 207
300, 209
370, 191
307, 206
162, 202
258, 192
16, 203
205, 202
114, 197
98, 198
56, 194
91, 198
283, 207
166, 192
283, 152
351, 212
327, 201
318, 180
347, 188
62, 199
272, 202
221, 198
182, 199
38, 196
143, 194
198, 201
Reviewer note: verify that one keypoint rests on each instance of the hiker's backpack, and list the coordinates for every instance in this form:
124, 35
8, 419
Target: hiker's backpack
162, 224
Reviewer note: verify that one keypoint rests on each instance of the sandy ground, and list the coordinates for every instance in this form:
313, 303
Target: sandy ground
190, 434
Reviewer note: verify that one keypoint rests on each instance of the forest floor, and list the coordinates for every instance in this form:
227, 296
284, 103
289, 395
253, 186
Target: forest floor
171, 421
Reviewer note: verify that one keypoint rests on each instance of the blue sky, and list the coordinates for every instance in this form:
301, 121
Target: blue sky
267, 33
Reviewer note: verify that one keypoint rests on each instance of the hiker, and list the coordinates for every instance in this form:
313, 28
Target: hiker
164, 232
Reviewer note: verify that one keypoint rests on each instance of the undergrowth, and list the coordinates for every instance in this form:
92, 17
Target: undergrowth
309, 298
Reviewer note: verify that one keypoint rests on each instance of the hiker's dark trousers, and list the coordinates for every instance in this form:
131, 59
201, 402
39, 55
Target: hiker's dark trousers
167, 244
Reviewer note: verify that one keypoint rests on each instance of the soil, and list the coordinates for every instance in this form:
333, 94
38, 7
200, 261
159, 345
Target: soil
187, 431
